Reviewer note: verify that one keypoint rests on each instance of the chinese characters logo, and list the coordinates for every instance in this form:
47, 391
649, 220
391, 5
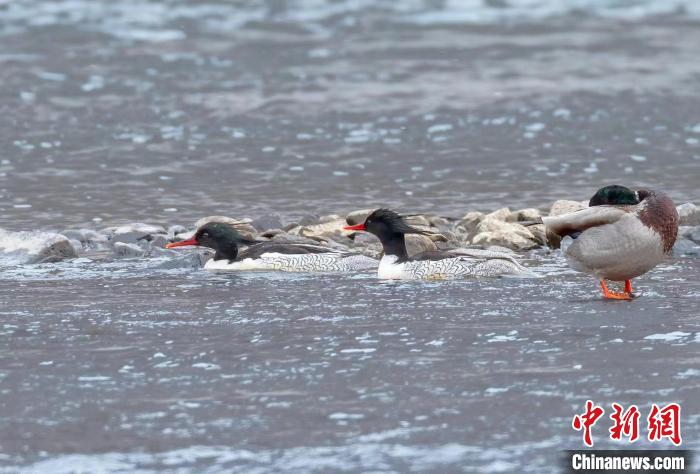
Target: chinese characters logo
662, 422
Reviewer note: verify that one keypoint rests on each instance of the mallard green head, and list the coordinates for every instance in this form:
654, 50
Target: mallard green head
615, 195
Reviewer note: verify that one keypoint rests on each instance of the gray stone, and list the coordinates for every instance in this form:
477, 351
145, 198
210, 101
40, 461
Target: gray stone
263, 223
88, 238
36, 247
127, 250
505, 234
524, 215
176, 229
358, 216
468, 224
416, 243
293, 239
271, 233
502, 214
564, 207
133, 233
329, 218
689, 214
685, 247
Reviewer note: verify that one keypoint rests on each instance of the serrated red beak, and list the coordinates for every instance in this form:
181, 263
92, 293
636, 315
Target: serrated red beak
183, 243
354, 227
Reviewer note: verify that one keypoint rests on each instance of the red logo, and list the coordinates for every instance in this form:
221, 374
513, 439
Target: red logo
665, 423
661, 423
626, 423
586, 421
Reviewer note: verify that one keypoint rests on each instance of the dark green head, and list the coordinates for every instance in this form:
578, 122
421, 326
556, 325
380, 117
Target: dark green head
615, 195
219, 236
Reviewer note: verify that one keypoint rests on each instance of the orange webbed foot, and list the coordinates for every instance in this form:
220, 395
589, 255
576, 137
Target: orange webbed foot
616, 296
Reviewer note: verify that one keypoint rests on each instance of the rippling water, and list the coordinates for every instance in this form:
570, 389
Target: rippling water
163, 112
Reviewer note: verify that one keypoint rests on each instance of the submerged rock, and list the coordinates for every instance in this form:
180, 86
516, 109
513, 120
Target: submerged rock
87, 238
133, 233
34, 247
685, 247
126, 250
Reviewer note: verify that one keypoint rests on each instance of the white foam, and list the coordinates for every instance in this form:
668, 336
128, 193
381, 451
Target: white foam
29, 247
668, 337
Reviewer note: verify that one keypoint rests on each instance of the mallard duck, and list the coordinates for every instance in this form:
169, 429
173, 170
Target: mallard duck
622, 235
391, 229
288, 257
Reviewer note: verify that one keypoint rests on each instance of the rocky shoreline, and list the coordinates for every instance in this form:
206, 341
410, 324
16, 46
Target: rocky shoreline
502, 228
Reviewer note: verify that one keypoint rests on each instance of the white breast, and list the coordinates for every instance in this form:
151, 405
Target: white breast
390, 270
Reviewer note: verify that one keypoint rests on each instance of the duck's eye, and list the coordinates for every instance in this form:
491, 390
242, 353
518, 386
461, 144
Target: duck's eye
205, 234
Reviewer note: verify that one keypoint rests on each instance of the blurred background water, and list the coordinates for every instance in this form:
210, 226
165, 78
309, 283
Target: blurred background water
170, 110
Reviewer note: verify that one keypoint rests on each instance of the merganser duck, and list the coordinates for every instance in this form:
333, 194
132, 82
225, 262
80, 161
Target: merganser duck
622, 235
225, 240
395, 264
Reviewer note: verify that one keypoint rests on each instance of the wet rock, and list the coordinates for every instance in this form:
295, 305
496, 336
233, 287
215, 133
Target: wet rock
692, 233
685, 248
127, 250
87, 238
320, 230
35, 247
440, 223
133, 233
271, 233
358, 216
419, 221
183, 260
539, 232
563, 207
689, 214
263, 223
329, 218
502, 214
286, 238
468, 224
525, 215
416, 243
308, 220
176, 229
505, 234
364, 238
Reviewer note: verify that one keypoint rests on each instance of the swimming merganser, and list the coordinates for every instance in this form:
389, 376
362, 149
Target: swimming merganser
225, 240
622, 235
395, 264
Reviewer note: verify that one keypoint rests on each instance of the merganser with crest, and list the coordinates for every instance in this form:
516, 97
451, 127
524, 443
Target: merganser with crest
622, 235
226, 240
395, 264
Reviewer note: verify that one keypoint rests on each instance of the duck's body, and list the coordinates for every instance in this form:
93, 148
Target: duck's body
390, 228
450, 264
292, 258
623, 235
268, 256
